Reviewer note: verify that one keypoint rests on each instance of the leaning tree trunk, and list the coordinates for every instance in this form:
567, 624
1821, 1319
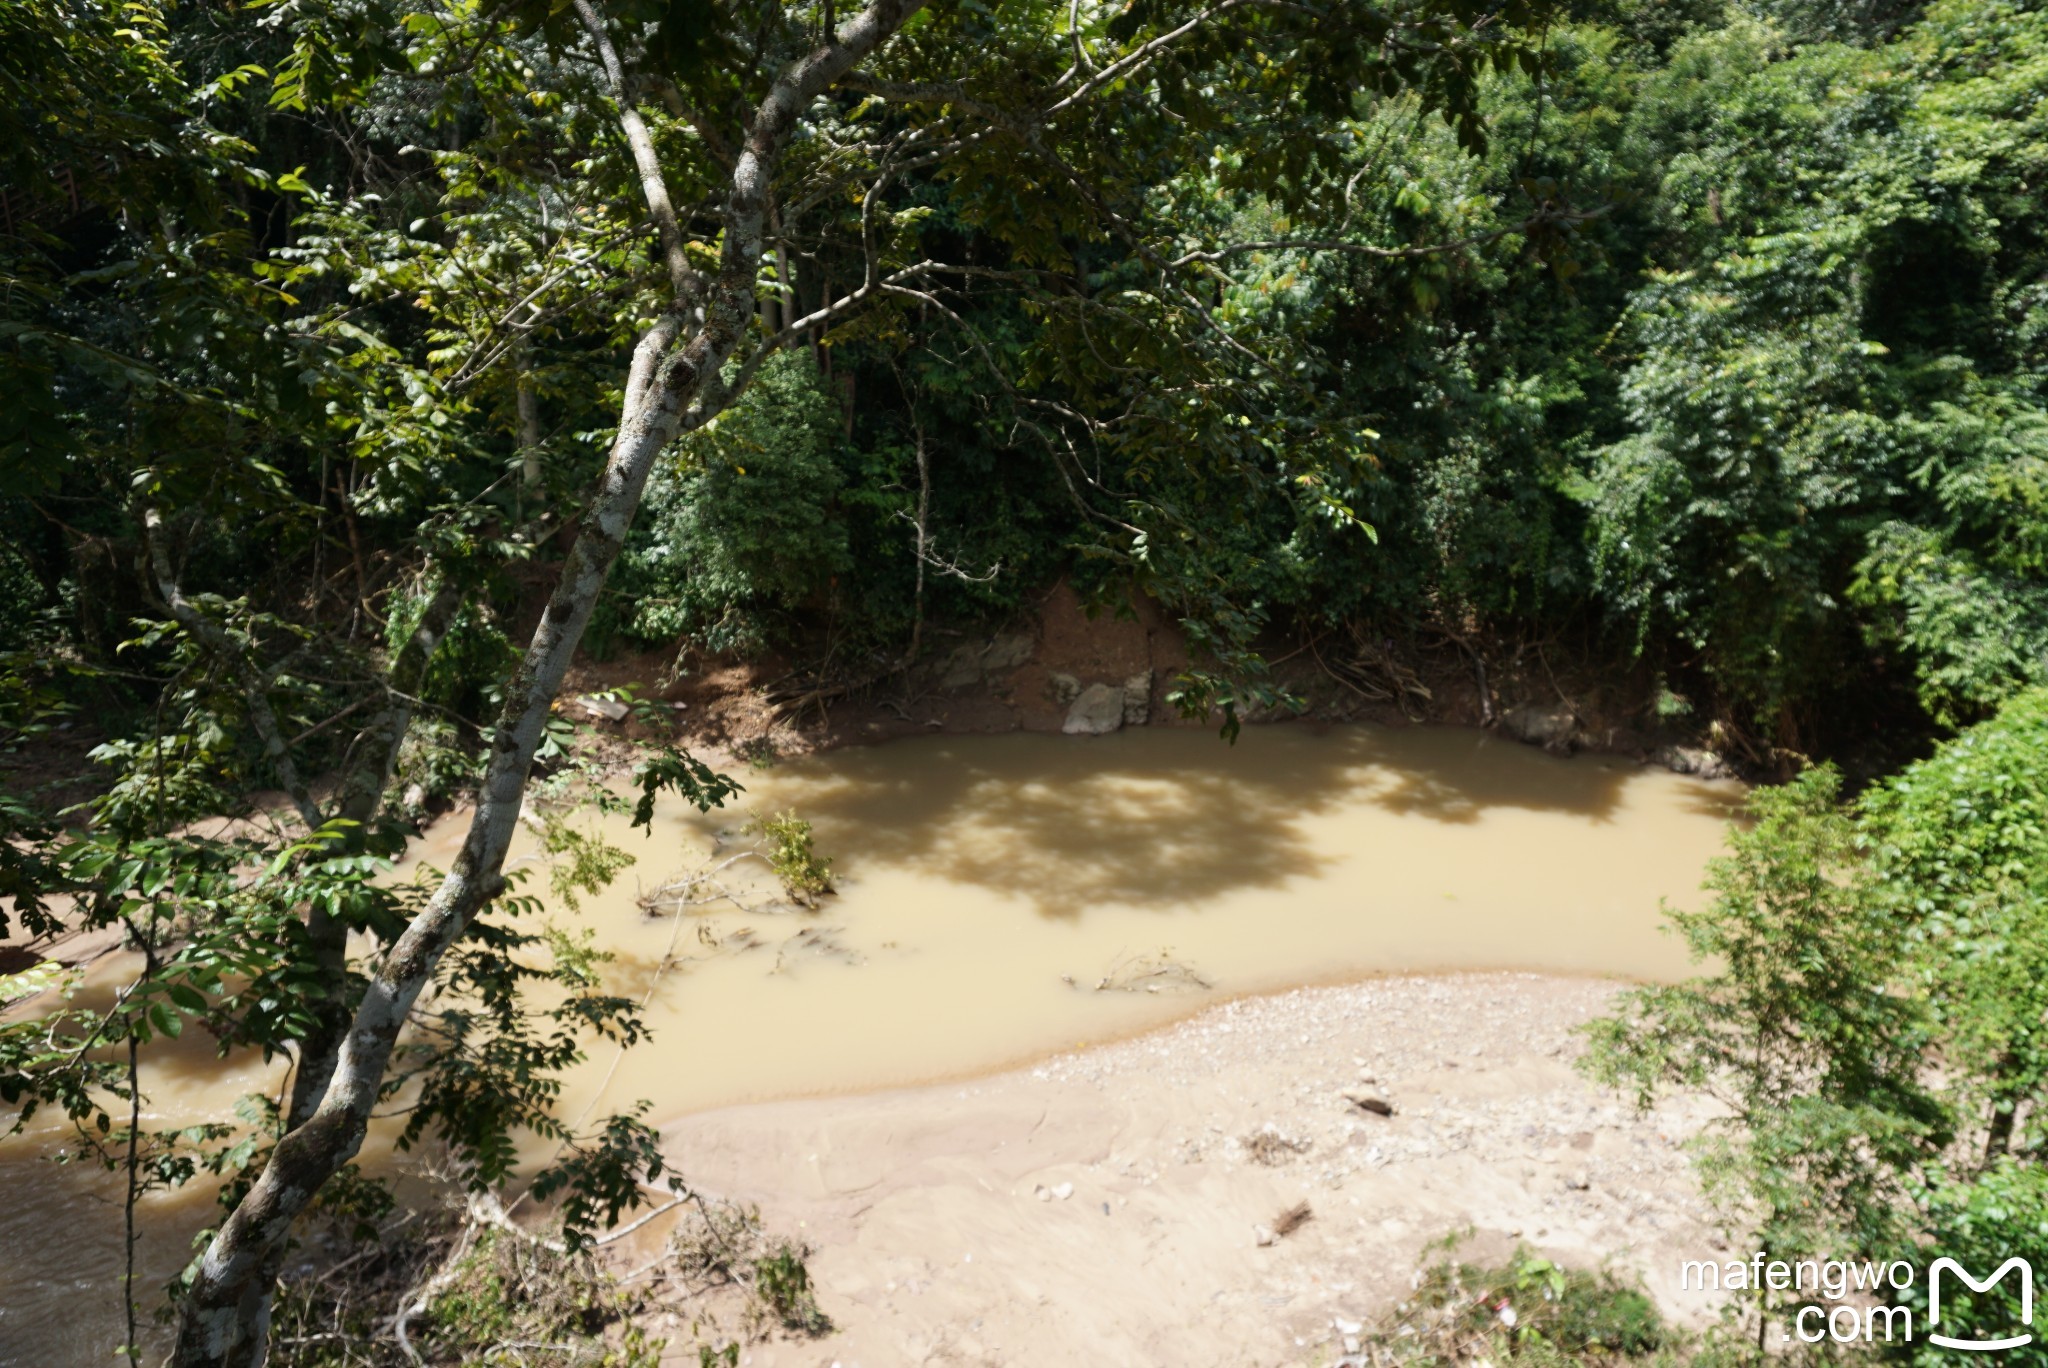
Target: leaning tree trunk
224, 1320
361, 791
224, 1317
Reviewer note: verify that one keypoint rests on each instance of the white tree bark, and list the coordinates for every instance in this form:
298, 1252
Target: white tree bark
673, 381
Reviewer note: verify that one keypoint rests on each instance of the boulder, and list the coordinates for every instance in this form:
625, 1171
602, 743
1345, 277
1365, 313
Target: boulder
1098, 709
1552, 726
603, 709
1063, 687
1692, 760
1138, 699
960, 668
969, 665
1005, 652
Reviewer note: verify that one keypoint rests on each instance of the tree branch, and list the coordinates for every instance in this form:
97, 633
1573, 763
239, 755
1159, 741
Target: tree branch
224, 1319
682, 277
255, 684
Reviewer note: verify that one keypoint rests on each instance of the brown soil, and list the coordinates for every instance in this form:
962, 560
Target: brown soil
726, 703
731, 708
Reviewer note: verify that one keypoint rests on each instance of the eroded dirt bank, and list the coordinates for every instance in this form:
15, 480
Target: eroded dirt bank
1067, 666
1103, 1207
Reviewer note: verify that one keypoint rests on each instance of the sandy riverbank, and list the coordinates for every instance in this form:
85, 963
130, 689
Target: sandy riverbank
935, 1247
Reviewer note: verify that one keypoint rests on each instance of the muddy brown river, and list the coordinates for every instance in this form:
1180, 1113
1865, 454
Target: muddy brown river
1001, 898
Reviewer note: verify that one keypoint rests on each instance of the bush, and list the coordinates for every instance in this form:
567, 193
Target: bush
1874, 1018
804, 873
1527, 1309
744, 531
782, 1281
1960, 850
2001, 1214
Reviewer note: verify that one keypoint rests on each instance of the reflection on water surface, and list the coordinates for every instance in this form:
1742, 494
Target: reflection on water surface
978, 875
987, 884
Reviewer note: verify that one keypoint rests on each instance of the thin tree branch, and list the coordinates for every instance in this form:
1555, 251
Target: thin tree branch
683, 278
255, 684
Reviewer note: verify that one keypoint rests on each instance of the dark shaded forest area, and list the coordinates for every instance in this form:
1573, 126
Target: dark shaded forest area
1716, 341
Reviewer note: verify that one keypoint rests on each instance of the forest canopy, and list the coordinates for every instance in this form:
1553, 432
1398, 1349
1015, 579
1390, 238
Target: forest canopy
1716, 334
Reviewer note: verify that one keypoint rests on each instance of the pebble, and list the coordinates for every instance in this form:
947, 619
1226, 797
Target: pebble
1367, 1102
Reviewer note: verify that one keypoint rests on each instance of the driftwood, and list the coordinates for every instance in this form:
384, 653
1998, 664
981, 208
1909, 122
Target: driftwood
1370, 668
1292, 1219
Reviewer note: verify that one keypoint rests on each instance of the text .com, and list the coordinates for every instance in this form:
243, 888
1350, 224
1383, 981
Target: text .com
1867, 1294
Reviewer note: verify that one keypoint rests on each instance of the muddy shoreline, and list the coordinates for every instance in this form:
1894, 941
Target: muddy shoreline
1153, 1119
1037, 674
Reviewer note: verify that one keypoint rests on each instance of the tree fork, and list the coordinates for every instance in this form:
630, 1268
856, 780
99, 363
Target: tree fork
361, 792
224, 1318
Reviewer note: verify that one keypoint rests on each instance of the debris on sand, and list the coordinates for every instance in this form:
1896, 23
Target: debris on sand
1160, 973
1370, 1102
1292, 1219
1267, 1145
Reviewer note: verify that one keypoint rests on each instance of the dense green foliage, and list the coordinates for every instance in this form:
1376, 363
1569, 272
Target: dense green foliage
1727, 345
1762, 402
1776, 418
749, 530
1873, 1018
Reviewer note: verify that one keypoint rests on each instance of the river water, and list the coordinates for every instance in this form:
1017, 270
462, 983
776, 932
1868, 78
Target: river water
1000, 898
